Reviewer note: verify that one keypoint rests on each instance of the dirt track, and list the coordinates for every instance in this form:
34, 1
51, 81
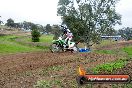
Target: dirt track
30, 61
14, 64
20, 63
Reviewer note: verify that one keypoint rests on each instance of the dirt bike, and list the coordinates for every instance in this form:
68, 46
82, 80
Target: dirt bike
61, 46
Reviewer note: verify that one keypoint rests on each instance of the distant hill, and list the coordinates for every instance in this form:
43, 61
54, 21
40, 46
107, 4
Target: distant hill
4, 30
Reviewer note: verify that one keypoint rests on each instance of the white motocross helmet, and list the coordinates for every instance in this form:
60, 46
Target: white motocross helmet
68, 30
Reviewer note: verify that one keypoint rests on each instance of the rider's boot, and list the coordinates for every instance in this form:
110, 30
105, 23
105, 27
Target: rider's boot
69, 47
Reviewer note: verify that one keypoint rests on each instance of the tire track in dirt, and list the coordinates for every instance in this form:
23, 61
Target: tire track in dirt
12, 65
30, 61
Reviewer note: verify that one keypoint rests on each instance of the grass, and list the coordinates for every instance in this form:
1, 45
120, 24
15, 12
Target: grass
43, 84
55, 68
43, 38
44, 44
105, 43
48, 84
7, 46
46, 71
109, 67
46, 38
105, 51
6, 38
128, 50
14, 48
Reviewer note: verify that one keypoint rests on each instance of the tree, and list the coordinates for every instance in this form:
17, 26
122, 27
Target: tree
126, 33
56, 31
35, 33
109, 32
48, 28
27, 25
17, 25
10, 23
1, 22
40, 28
88, 19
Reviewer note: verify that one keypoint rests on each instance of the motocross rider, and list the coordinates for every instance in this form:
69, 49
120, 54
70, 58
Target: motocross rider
69, 36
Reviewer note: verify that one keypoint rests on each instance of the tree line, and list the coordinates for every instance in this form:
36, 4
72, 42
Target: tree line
36, 29
47, 29
125, 32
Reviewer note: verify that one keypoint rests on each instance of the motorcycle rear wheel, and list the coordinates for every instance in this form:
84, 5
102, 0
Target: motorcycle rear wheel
75, 49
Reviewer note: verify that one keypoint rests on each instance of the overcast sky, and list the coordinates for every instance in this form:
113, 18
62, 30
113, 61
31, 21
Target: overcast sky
45, 11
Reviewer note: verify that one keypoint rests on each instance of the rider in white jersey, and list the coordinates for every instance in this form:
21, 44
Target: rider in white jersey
69, 36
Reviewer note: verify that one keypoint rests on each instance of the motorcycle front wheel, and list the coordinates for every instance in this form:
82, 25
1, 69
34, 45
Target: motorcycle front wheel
55, 48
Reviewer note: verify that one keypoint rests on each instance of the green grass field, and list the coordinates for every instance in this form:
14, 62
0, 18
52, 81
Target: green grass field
105, 51
43, 38
109, 67
128, 50
105, 43
8, 46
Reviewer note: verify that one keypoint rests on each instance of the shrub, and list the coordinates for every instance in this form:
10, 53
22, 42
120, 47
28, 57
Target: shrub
35, 34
